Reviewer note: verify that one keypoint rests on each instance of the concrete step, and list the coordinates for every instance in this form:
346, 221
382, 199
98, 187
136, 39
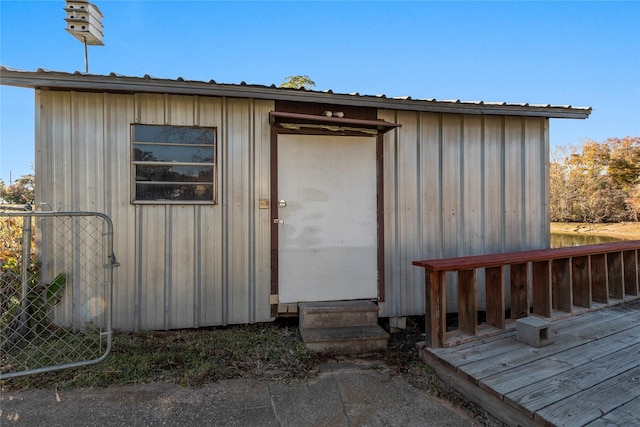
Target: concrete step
341, 327
337, 313
346, 339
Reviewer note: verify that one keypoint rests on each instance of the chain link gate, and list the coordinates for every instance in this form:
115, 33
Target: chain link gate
56, 278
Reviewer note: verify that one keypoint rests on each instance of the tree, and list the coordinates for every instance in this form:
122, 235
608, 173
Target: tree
298, 82
20, 192
596, 182
624, 161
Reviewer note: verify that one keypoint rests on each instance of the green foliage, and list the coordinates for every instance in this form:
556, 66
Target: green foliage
20, 192
54, 289
596, 182
297, 82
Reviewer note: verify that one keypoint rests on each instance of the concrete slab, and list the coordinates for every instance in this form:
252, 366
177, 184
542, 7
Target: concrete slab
343, 394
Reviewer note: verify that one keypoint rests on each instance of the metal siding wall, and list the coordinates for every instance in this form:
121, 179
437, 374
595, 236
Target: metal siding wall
391, 250
514, 178
472, 185
537, 172
452, 178
494, 184
409, 212
236, 207
118, 111
482, 188
454, 185
181, 265
53, 149
209, 248
431, 184
261, 245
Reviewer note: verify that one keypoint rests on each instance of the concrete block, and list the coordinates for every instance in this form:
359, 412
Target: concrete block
533, 331
398, 323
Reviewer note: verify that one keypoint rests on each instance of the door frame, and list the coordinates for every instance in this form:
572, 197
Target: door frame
339, 127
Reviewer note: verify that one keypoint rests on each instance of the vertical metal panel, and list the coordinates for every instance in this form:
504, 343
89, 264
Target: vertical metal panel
494, 184
479, 180
181, 265
118, 112
535, 191
452, 177
151, 293
431, 184
472, 185
209, 247
514, 183
409, 226
261, 245
52, 159
236, 204
390, 184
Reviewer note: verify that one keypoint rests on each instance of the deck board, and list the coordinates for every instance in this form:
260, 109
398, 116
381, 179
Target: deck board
626, 415
589, 375
588, 405
543, 393
555, 364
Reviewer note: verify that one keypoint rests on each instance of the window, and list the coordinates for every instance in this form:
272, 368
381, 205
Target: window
173, 164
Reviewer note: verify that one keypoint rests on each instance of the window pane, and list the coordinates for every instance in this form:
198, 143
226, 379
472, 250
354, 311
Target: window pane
174, 173
172, 153
162, 155
173, 134
174, 192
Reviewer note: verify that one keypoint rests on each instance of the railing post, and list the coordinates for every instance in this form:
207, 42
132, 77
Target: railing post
494, 290
581, 281
614, 267
435, 303
467, 302
541, 278
599, 284
519, 290
561, 282
630, 272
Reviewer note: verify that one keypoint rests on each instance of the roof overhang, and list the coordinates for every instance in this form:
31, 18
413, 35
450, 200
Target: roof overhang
54, 80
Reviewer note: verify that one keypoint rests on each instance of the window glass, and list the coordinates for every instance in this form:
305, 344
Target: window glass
173, 164
172, 153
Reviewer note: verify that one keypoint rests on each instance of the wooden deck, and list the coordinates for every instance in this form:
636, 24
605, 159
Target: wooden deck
588, 376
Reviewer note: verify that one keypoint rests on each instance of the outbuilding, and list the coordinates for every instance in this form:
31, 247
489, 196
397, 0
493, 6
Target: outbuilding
232, 203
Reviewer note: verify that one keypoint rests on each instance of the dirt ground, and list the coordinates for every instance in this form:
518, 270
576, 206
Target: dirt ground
621, 230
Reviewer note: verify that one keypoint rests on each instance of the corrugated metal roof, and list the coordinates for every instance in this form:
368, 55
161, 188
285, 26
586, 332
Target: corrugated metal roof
43, 79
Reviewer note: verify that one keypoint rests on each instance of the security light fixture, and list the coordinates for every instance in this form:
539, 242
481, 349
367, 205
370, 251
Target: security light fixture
84, 22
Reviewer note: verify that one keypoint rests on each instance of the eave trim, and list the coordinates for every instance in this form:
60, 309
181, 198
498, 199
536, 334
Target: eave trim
53, 80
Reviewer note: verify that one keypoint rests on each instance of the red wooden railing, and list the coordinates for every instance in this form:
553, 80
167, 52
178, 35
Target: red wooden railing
551, 283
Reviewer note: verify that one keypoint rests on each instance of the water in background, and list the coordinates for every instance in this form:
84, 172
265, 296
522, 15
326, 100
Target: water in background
559, 240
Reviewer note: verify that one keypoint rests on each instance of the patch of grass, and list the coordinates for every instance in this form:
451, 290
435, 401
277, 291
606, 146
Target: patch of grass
190, 357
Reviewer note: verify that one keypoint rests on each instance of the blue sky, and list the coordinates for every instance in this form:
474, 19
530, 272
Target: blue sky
571, 52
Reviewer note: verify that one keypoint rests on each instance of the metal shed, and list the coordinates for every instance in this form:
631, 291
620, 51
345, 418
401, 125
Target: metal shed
298, 195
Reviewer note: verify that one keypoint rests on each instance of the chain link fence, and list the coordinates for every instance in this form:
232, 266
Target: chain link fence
56, 278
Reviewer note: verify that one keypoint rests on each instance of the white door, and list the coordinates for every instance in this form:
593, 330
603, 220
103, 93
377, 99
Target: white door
327, 238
